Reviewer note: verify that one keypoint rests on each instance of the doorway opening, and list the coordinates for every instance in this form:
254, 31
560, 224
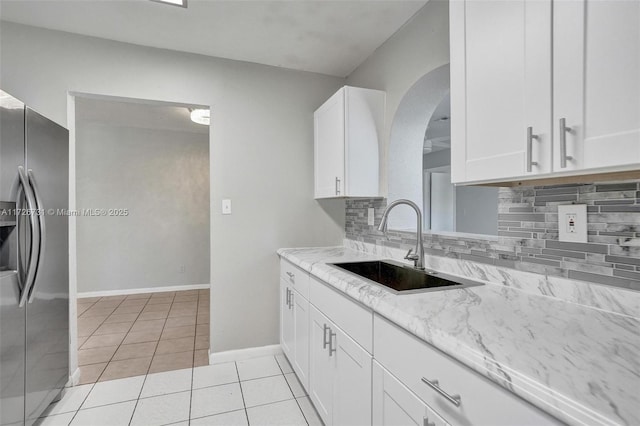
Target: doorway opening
142, 236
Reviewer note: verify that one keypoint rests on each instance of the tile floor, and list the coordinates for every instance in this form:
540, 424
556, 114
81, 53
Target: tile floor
126, 336
259, 391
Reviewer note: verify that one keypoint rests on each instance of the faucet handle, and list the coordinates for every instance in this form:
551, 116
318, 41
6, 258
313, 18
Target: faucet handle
410, 256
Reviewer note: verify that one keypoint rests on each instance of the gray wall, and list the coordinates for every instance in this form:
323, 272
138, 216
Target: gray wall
419, 47
162, 178
261, 153
476, 211
436, 159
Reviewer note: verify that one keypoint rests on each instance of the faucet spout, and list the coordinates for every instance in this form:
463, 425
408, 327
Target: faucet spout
418, 254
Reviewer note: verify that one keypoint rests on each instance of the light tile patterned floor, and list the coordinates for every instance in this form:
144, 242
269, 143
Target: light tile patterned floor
259, 391
126, 336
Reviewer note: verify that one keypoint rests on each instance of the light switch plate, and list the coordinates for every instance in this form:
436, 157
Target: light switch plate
371, 216
226, 206
572, 223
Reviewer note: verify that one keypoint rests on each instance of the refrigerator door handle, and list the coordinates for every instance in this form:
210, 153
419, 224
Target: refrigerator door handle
42, 234
20, 196
35, 237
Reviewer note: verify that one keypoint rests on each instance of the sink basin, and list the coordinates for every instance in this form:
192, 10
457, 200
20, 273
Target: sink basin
401, 278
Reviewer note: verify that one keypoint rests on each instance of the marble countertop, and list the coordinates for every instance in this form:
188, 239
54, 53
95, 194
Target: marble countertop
577, 362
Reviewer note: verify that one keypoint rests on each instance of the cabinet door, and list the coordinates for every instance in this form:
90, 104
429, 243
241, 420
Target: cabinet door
596, 47
352, 390
500, 86
329, 141
287, 329
321, 367
301, 344
394, 404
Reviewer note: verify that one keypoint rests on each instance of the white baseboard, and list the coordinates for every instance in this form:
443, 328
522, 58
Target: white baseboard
75, 378
242, 354
143, 290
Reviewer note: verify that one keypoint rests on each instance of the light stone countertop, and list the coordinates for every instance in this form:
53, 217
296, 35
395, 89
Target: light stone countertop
579, 363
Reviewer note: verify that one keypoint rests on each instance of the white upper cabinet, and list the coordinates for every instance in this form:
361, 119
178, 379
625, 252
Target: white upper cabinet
500, 86
347, 129
596, 56
520, 68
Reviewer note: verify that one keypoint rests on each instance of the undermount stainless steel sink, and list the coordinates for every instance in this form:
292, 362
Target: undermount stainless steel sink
401, 279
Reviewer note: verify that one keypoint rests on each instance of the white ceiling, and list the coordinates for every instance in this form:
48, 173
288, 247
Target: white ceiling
323, 36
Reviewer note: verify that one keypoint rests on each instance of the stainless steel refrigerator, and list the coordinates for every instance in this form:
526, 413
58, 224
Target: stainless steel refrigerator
34, 265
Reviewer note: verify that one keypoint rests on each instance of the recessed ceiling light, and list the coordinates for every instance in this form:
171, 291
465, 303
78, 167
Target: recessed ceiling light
201, 116
181, 3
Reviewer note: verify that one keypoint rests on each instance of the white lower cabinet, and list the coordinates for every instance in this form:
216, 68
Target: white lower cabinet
394, 404
321, 366
458, 394
339, 374
294, 331
287, 321
328, 339
301, 338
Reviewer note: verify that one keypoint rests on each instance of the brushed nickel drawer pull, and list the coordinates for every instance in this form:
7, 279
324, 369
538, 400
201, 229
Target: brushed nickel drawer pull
530, 138
433, 384
332, 335
563, 143
325, 328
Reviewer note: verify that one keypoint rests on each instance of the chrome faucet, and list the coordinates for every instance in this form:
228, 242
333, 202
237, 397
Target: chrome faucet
418, 255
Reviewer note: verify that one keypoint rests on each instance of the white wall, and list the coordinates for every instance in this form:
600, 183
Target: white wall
161, 177
419, 47
261, 153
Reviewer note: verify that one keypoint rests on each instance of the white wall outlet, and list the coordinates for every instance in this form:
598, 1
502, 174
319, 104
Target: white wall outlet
572, 223
371, 216
226, 206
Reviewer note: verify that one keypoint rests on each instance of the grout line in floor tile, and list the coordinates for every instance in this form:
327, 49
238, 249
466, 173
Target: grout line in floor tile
292, 393
190, 396
265, 377
155, 351
218, 414
83, 401
122, 342
106, 405
133, 413
244, 404
272, 402
92, 304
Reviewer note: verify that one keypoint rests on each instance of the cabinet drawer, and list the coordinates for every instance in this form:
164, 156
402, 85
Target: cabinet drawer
347, 314
295, 277
482, 402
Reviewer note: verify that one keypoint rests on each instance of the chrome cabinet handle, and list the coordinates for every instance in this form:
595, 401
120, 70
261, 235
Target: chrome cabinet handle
426, 422
337, 185
288, 296
563, 143
433, 384
324, 336
43, 232
35, 238
291, 276
530, 138
291, 294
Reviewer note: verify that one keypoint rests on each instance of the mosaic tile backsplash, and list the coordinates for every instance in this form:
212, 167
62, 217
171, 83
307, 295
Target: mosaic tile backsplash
528, 233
